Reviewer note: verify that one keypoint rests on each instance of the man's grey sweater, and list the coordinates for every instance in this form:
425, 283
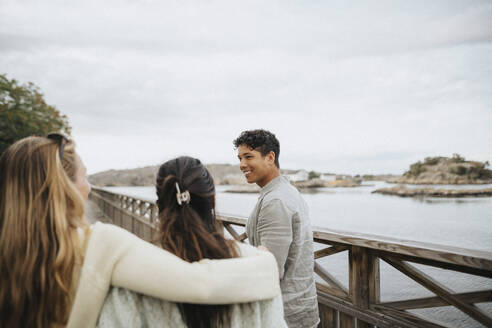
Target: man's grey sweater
280, 222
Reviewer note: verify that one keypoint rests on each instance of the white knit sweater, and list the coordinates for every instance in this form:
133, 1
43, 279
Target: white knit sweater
116, 257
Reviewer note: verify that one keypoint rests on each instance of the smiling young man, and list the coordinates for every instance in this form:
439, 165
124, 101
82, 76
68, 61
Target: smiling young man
280, 222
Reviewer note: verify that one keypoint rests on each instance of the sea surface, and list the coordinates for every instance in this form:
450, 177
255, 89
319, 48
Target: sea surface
460, 222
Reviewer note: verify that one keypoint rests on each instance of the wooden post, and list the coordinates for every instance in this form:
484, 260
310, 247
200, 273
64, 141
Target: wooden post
346, 321
328, 317
153, 210
141, 209
363, 280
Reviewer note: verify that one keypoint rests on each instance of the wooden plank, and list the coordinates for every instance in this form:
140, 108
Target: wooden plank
243, 236
429, 302
446, 254
231, 230
109, 195
331, 280
376, 318
408, 318
232, 219
441, 291
329, 251
439, 264
329, 242
332, 291
234, 234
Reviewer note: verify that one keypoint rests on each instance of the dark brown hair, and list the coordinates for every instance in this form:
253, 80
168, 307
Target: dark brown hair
190, 230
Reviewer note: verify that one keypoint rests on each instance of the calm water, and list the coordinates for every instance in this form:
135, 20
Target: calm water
461, 222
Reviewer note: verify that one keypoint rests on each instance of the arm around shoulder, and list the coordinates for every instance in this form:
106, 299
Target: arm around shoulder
116, 257
147, 269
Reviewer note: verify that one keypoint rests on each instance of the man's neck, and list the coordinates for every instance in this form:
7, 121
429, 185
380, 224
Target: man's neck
275, 173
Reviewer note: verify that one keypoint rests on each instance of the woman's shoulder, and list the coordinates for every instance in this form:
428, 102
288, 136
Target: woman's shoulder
107, 230
246, 249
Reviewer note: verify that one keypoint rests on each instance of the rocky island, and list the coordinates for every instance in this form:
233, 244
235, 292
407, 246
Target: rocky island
453, 170
446, 170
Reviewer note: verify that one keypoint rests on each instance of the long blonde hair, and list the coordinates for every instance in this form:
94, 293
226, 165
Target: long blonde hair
40, 211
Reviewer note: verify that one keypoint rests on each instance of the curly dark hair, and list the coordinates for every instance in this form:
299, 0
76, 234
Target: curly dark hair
261, 140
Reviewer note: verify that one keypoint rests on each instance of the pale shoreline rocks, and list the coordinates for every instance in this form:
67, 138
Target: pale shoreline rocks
439, 181
243, 189
303, 186
403, 191
319, 183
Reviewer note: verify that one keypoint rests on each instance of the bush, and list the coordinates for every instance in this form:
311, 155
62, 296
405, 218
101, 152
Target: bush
457, 158
459, 170
431, 160
313, 175
416, 169
486, 174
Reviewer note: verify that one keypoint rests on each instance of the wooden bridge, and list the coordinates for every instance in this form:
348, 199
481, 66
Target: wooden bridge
359, 304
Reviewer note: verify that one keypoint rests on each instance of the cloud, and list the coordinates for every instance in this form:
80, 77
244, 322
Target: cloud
334, 29
345, 87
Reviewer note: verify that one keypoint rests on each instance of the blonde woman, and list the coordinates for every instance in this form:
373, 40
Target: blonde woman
56, 271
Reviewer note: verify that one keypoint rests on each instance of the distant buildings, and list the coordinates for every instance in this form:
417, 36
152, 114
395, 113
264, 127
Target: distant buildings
301, 175
328, 177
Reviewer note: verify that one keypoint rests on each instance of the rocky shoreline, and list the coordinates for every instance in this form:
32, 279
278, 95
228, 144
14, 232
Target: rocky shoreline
303, 186
439, 181
403, 191
319, 183
243, 189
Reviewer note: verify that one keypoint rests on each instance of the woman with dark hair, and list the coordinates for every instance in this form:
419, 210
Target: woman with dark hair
188, 228
56, 270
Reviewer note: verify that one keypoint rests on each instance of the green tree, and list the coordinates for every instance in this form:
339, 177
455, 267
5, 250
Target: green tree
313, 175
23, 112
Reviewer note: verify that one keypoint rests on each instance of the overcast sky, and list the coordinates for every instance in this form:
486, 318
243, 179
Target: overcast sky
347, 86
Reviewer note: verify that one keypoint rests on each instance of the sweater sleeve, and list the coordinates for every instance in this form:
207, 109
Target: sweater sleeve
275, 231
116, 257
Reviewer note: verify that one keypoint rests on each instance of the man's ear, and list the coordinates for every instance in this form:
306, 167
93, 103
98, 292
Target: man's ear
271, 157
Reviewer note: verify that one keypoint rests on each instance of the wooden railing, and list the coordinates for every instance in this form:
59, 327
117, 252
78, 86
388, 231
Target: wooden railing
360, 304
